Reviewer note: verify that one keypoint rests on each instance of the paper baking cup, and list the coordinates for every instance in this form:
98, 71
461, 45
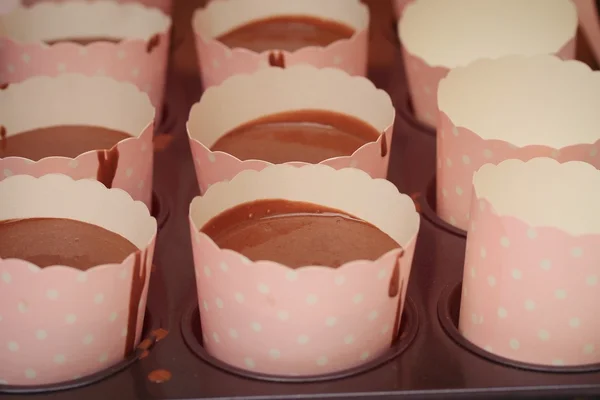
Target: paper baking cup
59, 323
518, 107
7, 6
432, 44
530, 286
140, 57
73, 99
269, 91
269, 318
218, 62
163, 5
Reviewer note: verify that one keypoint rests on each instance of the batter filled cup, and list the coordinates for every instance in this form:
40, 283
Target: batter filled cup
84, 127
75, 262
518, 107
127, 42
234, 37
299, 114
530, 285
337, 301
432, 44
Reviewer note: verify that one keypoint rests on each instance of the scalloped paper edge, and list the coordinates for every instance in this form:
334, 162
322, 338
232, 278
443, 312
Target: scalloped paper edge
92, 188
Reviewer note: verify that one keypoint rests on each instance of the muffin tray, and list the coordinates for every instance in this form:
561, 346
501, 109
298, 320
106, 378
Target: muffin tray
430, 359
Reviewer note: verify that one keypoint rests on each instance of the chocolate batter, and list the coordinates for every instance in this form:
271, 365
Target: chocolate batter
65, 141
310, 136
297, 234
58, 241
288, 33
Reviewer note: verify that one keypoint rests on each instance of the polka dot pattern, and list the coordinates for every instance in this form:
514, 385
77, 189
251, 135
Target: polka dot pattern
218, 62
534, 297
274, 320
50, 317
135, 166
453, 205
423, 81
216, 167
126, 61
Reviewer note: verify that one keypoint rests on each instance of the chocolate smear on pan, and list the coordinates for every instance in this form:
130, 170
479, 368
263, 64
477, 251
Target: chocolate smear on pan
159, 334
108, 161
384, 146
138, 281
277, 59
153, 43
159, 376
395, 289
2, 137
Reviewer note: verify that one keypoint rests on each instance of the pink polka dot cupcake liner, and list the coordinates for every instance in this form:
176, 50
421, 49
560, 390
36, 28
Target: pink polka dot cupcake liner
59, 323
432, 46
8, 5
530, 285
268, 318
163, 5
65, 100
218, 62
507, 116
139, 56
275, 90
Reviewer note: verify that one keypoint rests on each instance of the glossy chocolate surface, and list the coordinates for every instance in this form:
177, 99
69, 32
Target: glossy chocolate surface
288, 33
310, 136
62, 141
297, 234
58, 241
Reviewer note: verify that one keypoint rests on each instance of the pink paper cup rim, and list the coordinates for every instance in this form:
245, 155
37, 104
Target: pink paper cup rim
214, 5
38, 15
385, 188
508, 118
32, 104
274, 91
423, 15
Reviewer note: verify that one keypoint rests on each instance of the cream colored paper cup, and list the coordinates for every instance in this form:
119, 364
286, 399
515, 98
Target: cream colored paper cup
58, 322
438, 36
532, 266
140, 56
218, 62
248, 97
73, 99
518, 107
269, 318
